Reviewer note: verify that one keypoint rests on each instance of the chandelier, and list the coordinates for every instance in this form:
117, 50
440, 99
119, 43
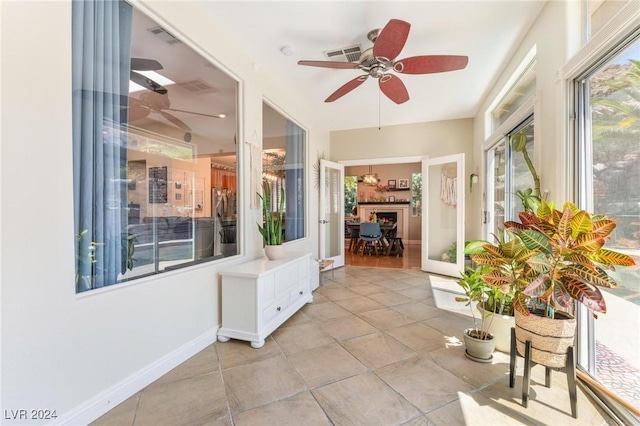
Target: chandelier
370, 179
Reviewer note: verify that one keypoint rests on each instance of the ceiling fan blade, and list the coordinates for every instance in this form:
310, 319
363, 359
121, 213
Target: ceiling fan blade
330, 64
141, 64
430, 64
175, 120
349, 86
147, 83
391, 39
194, 112
394, 88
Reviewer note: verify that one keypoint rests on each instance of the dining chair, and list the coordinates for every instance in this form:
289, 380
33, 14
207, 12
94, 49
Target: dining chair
371, 235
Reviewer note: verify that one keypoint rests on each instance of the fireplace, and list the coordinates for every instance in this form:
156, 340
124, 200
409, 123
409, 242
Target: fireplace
388, 216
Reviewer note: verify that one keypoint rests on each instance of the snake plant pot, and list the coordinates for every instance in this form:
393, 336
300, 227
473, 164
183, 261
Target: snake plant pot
479, 350
274, 252
550, 337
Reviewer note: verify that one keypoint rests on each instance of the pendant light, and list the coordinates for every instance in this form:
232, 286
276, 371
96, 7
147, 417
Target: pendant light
370, 179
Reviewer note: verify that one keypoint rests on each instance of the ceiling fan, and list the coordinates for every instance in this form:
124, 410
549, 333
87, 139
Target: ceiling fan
141, 64
156, 102
379, 61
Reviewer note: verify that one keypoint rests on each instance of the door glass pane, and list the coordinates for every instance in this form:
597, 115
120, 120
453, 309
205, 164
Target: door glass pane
520, 177
612, 178
442, 218
332, 214
499, 182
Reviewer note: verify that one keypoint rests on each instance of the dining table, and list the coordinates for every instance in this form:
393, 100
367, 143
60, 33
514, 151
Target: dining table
385, 227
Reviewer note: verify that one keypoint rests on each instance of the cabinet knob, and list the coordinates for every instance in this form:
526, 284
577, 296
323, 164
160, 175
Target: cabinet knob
301, 292
278, 309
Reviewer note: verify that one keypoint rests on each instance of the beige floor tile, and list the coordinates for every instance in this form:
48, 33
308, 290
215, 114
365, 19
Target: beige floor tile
299, 410
324, 365
337, 293
391, 284
416, 293
359, 304
476, 374
418, 281
301, 337
385, 318
259, 383
418, 337
319, 298
297, 319
239, 352
122, 414
368, 289
363, 400
449, 324
204, 362
475, 409
377, 350
548, 405
197, 400
423, 383
390, 298
348, 327
324, 311
418, 311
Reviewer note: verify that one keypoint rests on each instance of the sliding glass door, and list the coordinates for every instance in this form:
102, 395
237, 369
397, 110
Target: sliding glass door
608, 97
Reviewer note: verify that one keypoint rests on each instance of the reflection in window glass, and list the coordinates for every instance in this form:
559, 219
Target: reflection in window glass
283, 165
611, 172
154, 149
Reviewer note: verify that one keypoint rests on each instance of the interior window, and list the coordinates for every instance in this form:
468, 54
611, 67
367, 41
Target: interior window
284, 167
154, 146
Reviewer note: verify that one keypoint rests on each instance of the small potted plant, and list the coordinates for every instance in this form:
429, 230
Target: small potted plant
271, 228
478, 341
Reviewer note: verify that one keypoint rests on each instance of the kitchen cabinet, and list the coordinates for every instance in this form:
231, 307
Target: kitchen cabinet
258, 296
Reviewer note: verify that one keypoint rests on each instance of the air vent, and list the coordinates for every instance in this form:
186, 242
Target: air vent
197, 87
347, 54
164, 35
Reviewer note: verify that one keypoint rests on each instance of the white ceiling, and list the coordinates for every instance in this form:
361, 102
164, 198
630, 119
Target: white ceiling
485, 31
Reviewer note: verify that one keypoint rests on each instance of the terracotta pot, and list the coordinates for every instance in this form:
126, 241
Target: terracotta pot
550, 337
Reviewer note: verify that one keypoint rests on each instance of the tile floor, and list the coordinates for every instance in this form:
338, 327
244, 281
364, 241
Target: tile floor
372, 349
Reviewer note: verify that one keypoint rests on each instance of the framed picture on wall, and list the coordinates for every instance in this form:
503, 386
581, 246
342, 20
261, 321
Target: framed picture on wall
403, 183
391, 184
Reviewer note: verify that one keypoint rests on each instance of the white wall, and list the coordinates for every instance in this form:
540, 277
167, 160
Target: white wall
72, 353
556, 35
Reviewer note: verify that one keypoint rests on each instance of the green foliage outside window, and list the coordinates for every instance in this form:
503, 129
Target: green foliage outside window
350, 193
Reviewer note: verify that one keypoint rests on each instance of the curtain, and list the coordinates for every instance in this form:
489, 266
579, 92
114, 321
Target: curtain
294, 181
101, 43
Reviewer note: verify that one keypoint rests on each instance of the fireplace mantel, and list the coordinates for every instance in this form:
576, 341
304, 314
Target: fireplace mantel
402, 208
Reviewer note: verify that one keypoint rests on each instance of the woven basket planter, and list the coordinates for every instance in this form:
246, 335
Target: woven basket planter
550, 337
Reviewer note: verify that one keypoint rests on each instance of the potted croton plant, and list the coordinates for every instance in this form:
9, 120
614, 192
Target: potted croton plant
549, 260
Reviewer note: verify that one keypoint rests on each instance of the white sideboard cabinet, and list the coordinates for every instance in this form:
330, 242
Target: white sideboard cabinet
258, 296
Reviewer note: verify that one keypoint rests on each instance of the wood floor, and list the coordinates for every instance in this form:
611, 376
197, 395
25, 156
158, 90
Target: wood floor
410, 258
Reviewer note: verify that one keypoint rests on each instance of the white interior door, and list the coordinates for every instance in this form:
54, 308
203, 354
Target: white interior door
443, 215
331, 214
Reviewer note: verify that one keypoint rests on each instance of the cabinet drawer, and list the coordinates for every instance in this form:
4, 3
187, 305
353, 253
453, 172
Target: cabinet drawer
297, 294
285, 278
274, 310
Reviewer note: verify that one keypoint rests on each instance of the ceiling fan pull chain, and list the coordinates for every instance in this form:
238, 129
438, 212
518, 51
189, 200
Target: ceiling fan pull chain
378, 110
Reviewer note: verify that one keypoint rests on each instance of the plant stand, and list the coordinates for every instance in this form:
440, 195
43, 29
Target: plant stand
569, 368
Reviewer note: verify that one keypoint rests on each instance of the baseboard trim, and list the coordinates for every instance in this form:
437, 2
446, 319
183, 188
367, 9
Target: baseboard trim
109, 398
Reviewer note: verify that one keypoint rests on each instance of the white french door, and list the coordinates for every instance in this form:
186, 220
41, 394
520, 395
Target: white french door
331, 212
443, 215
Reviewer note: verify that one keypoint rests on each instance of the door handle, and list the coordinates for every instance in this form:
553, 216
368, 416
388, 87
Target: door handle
323, 221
